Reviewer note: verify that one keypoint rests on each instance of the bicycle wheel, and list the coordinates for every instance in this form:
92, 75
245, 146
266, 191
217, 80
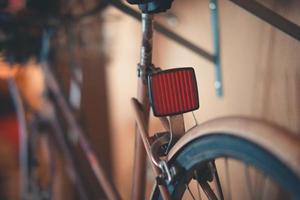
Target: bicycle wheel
259, 151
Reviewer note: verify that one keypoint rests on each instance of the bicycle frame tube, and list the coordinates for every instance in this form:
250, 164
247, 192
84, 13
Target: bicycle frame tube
145, 65
23, 138
102, 178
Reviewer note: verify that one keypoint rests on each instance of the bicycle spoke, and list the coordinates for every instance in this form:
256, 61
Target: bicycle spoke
227, 174
198, 186
208, 191
260, 181
262, 192
256, 182
190, 192
199, 191
248, 182
217, 181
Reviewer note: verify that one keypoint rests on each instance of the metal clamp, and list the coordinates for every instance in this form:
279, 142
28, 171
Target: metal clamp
167, 173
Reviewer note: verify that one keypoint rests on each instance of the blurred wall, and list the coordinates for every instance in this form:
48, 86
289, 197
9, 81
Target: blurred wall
261, 69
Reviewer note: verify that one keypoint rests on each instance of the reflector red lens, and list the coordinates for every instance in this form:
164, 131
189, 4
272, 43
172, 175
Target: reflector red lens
173, 91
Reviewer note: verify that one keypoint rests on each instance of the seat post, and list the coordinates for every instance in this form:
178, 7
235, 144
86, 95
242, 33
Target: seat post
147, 32
144, 67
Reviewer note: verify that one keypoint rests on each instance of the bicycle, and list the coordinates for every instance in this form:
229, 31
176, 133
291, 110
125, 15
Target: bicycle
187, 162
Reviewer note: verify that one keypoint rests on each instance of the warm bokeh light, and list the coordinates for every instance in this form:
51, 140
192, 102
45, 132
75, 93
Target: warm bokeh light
30, 81
6, 71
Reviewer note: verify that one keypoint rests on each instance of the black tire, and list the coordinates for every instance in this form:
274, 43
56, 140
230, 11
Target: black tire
214, 146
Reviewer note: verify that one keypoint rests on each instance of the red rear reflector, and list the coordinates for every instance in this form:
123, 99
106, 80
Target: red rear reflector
173, 91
